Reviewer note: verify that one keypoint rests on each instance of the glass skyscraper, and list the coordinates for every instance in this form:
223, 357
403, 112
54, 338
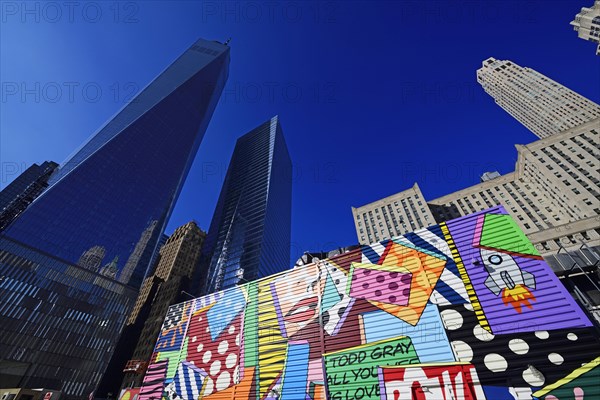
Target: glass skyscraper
249, 235
17, 196
106, 209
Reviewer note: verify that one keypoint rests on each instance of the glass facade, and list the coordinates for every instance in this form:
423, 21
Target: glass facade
127, 177
249, 236
17, 196
106, 208
58, 321
18, 186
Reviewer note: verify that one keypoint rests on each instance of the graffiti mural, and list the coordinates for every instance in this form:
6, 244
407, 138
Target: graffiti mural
463, 310
129, 394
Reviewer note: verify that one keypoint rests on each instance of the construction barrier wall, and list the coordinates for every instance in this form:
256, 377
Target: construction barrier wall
462, 310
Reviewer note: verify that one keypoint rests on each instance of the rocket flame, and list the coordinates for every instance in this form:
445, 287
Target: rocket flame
518, 296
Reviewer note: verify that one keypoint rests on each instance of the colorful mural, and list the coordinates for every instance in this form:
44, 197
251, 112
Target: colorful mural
128, 394
464, 310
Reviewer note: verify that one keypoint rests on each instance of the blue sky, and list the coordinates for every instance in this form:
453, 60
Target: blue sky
372, 96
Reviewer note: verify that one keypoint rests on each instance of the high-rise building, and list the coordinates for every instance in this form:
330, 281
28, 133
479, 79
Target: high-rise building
155, 256
24, 189
553, 194
392, 216
587, 24
59, 322
249, 235
544, 106
179, 257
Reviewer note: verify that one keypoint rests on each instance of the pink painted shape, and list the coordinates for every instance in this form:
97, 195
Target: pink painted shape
478, 230
241, 358
382, 286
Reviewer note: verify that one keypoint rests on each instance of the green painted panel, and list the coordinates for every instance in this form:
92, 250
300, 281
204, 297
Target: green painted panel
501, 232
353, 374
174, 357
583, 383
251, 326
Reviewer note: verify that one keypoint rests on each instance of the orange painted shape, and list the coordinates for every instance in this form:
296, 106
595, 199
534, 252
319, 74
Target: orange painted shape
426, 271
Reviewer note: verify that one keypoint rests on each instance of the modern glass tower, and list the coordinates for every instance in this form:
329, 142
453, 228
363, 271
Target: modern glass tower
249, 235
59, 321
17, 196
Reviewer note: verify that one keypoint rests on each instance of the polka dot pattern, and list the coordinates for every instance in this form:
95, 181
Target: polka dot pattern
555, 358
223, 381
231, 360
518, 346
219, 357
223, 346
533, 377
482, 334
495, 362
523, 358
381, 286
452, 319
463, 351
542, 334
215, 367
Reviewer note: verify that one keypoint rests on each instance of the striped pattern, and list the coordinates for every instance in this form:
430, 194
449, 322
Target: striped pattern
465, 278
449, 288
189, 381
272, 346
207, 300
153, 384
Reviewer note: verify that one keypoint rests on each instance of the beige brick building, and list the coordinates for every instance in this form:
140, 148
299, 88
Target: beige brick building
392, 216
553, 194
178, 258
543, 105
587, 24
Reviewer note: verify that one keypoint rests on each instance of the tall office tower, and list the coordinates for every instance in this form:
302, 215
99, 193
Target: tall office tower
249, 235
61, 321
155, 256
25, 188
179, 257
587, 24
392, 216
544, 106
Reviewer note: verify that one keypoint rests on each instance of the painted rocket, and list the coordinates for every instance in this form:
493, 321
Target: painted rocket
507, 278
